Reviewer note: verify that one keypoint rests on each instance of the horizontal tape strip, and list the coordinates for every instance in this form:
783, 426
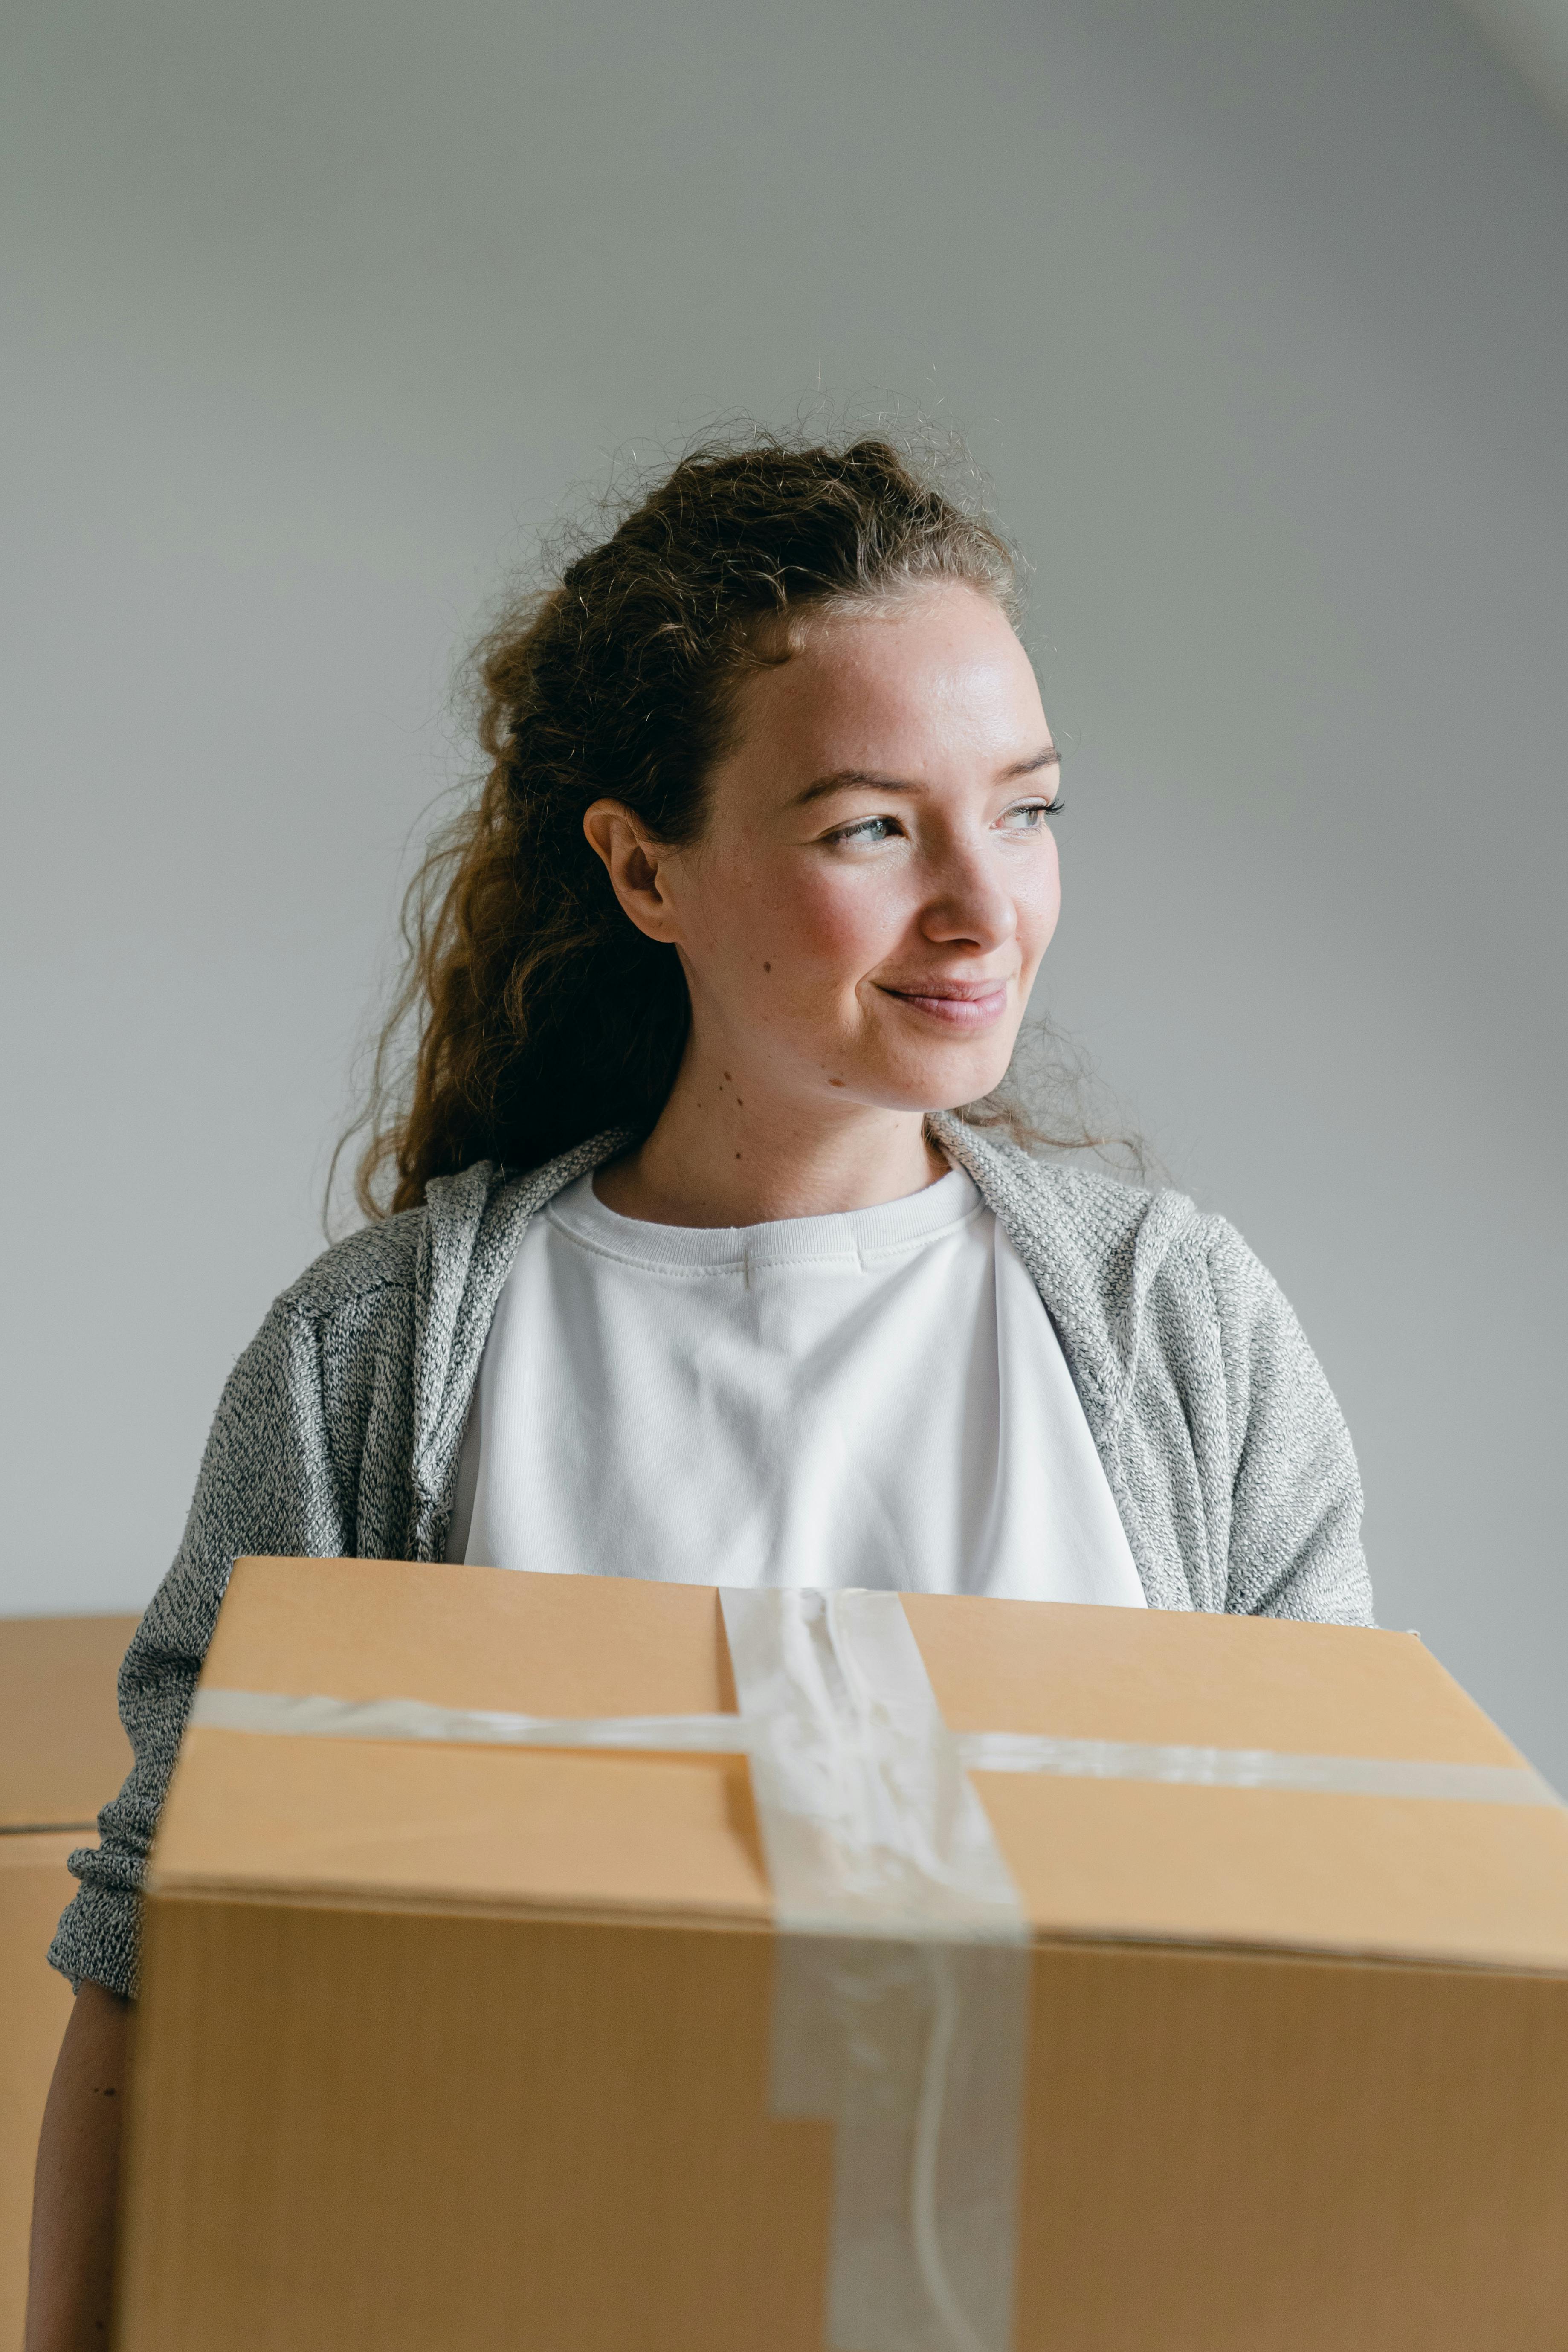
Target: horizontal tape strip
315, 1716
319, 1717
1254, 1767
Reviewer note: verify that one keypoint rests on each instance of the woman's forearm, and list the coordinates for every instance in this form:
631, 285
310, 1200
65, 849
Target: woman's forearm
70, 2272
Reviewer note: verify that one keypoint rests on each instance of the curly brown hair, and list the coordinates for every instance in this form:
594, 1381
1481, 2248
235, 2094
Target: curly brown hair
543, 1015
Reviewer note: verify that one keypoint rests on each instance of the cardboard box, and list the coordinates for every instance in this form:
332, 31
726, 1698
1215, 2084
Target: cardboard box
449, 2044
62, 1755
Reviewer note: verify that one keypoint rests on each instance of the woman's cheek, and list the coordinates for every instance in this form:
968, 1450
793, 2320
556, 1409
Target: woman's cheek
1039, 903
786, 935
833, 919
861, 916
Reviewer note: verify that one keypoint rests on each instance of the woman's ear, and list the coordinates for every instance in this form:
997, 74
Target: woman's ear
633, 860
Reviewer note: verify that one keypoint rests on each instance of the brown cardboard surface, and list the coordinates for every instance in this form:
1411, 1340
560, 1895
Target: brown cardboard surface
1231, 2154
62, 1755
1402, 1877
62, 1751
670, 1836
378, 2132
467, 2045
451, 2134
35, 1887
529, 1644
1194, 1680
540, 1829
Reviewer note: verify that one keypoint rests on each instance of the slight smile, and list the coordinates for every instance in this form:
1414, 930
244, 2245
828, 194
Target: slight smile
958, 1003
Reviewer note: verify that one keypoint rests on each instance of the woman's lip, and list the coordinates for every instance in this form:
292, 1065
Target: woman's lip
961, 1004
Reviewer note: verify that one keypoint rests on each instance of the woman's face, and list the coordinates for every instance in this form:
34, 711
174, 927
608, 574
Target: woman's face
864, 913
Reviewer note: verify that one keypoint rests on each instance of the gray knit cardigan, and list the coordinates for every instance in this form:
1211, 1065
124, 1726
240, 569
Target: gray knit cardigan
340, 1430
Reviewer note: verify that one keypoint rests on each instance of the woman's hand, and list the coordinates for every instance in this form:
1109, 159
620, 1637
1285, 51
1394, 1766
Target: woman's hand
71, 2274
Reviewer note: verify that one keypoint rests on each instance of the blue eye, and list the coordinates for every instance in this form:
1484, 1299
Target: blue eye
870, 828
1032, 816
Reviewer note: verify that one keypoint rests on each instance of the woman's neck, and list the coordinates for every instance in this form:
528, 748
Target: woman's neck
721, 1157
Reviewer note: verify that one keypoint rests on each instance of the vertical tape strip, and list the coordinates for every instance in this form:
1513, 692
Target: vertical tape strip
901, 1997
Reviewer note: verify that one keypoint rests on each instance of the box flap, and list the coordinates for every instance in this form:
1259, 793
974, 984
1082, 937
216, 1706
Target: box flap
1196, 1680
465, 1825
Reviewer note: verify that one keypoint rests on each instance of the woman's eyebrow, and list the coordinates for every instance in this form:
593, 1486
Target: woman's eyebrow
844, 779
1049, 758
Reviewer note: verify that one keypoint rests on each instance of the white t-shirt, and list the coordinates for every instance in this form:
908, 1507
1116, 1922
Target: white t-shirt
872, 1399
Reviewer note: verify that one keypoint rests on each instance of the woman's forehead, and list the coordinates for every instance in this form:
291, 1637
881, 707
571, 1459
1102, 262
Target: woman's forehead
942, 668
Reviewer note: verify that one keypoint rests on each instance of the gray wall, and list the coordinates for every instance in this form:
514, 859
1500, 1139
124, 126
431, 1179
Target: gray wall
1258, 316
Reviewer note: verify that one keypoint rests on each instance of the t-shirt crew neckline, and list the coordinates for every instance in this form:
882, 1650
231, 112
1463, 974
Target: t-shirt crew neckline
859, 1237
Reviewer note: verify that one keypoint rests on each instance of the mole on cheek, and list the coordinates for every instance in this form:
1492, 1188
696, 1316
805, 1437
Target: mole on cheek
767, 967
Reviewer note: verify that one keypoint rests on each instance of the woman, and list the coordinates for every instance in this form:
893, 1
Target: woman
692, 1270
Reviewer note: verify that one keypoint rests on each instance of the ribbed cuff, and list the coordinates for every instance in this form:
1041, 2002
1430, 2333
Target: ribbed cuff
98, 1939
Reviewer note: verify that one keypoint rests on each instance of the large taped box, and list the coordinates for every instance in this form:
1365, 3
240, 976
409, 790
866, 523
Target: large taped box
448, 2042
62, 1755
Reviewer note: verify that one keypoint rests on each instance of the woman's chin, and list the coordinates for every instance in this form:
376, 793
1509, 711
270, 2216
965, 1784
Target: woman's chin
938, 1082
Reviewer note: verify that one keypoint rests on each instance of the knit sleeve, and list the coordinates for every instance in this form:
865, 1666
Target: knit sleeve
1295, 1547
266, 1486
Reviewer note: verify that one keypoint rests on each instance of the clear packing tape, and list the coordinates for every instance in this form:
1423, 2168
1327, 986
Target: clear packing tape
900, 2000
900, 2006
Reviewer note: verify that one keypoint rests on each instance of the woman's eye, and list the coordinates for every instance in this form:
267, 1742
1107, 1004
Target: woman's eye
869, 829
1031, 816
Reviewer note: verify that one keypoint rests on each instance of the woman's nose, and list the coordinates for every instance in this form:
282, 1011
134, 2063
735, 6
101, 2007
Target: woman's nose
968, 905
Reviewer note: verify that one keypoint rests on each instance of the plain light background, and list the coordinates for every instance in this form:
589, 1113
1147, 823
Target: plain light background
1257, 317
